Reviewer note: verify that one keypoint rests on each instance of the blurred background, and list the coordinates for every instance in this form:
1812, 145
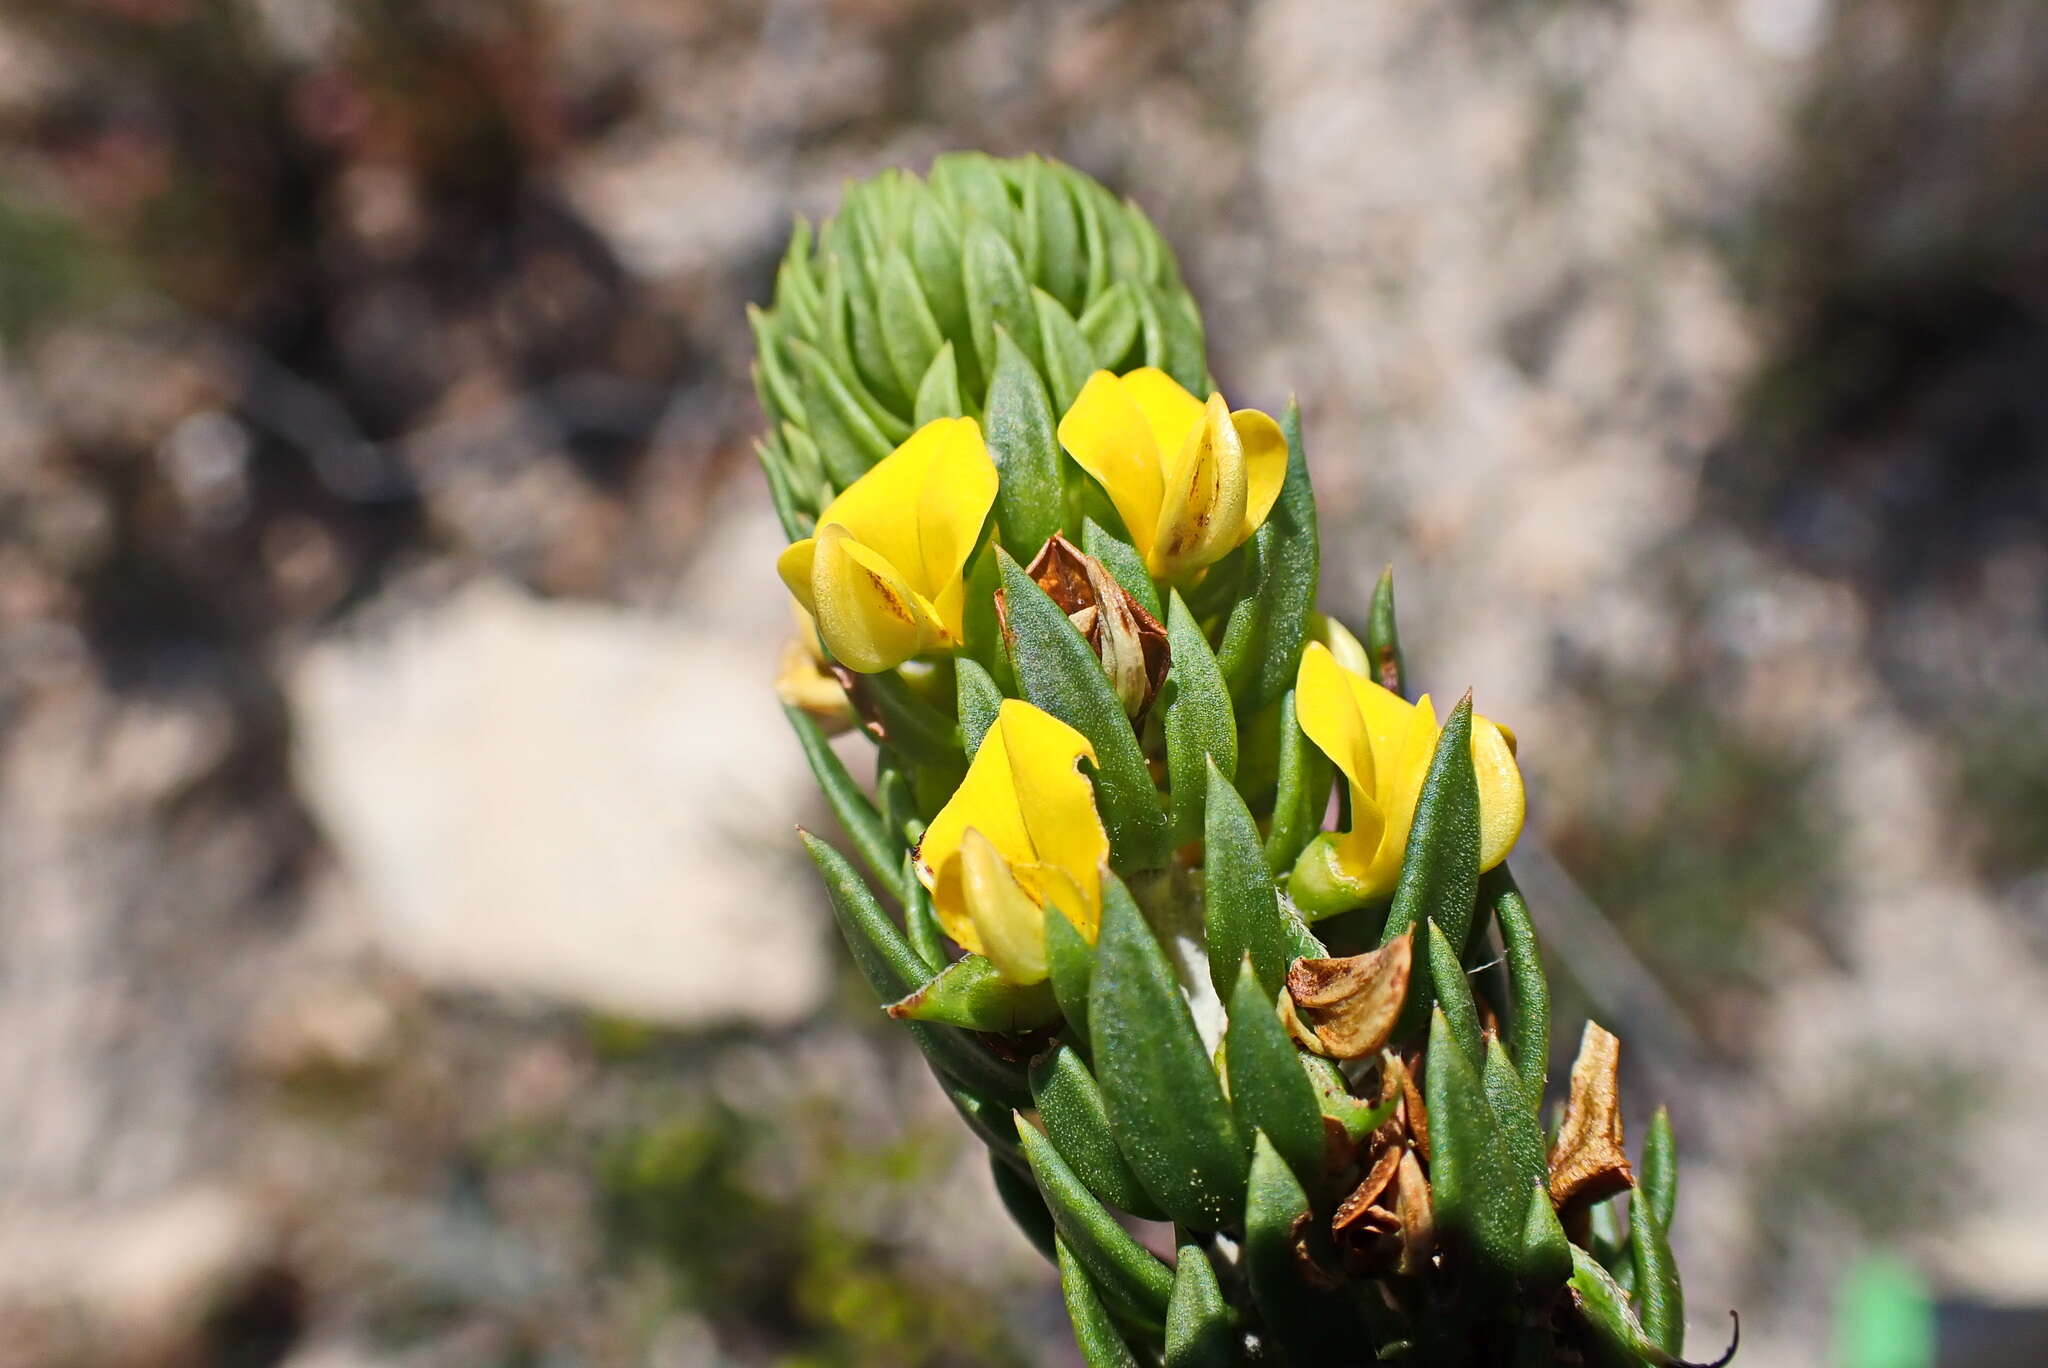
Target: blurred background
404, 956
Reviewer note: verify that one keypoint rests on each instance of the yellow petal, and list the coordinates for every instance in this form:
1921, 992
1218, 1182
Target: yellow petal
1108, 436
1170, 411
1201, 515
1502, 805
1026, 796
1400, 787
1055, 798
1265, 465
1057, 888
870, 618
794, 565
1329, 715
1008, 924
921, 507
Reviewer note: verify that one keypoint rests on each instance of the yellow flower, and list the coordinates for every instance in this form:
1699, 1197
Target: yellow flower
1020, 832
804, 682
1383, 744
882, 575
1190, 480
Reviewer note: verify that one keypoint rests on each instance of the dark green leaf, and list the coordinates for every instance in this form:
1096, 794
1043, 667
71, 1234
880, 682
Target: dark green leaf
1057, 672
1111, 326
1201, 1329
1241, 908
969, 993
910, 334
1440, 869
1263, 638
913, 726
880, 850
782, 399
1657, 1175
1181, 355
1071, 1106
978, 700
1049, 211
1526, 1020
1310, 1325
1268, 1090
1030, 498
1124, 564
1382, 639
1166, 1108
1659, 1298
920, 922
1021, 1199
1480, 1208
1069, 360
992, 1123
892, 967
998, 296
1618, 1339
1546, 1254
780, 493
1094, 1331
1453, 994
1070, 962
1301, 794
935, 252
1094, 247
847, 438
1131, 1279
938, 393
1521, 1136
1200, 727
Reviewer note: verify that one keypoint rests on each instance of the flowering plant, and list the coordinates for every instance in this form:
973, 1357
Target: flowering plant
1070, 595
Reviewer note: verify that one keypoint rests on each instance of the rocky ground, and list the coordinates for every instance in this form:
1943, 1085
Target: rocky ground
404, 956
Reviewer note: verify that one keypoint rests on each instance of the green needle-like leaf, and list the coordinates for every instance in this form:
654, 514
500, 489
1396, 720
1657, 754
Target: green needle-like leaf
1070, 963
892, 967
1309, 1325
1526, 1020
910, 335
969, 993
1094, 1331
938, 393
1440, 869
1202, 1331
1657, 1175
1268, 1090
1027, 1208
998, 296
1019, 429
1301, 794
1200, 728
1057, 672
1659, 1298
1453, 994
1165, 1105
1241, 908
1130, 1278
881, 852
1480, 1208
1263, 638
1070, 1104
1110, 324
1069, 360
977, 699
1521, 1137
1383, 639
1124, 564
1546, 1254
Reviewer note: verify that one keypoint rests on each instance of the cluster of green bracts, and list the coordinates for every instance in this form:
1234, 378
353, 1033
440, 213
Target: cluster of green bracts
1073, 605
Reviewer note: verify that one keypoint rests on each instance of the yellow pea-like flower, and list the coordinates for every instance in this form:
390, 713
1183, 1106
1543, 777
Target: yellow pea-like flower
1021, 833
1191, 480
882, 576
1383, 745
